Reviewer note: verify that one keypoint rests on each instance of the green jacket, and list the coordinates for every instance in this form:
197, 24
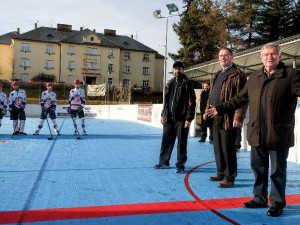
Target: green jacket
272, 102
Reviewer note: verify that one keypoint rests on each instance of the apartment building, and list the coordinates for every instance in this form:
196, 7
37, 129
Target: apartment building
65, 54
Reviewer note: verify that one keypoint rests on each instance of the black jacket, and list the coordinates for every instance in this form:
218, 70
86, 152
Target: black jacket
184, 100
203, 100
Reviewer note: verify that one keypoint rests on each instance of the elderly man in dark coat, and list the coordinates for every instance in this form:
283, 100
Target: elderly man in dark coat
271, 93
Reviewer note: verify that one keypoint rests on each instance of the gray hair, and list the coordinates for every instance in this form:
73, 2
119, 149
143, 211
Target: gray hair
271, 45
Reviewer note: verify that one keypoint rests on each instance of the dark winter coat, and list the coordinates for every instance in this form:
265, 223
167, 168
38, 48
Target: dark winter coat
272, 103
232, 84
185, 99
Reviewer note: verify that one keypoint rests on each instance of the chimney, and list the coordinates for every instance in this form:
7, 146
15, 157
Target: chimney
18, 31
94, 30
108, 32
81, 28
64, 27
131, 36
35, 26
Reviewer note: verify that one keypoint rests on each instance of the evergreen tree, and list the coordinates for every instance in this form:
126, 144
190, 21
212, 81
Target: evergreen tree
201, 32
275, 20
296, 23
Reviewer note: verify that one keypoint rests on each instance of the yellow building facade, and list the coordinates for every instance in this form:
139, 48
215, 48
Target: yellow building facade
63, 55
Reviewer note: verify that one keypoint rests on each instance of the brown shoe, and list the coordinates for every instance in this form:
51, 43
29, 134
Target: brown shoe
217, 177
225, 184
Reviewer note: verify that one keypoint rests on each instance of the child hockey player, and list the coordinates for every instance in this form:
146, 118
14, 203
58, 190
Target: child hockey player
48, 105
3, 104
76, 106
17, 103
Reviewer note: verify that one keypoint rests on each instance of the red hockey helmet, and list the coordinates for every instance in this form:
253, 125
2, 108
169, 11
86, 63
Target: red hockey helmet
15, 83
76, 82
49, 84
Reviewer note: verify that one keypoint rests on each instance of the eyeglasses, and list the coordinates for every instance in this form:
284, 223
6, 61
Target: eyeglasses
226, 55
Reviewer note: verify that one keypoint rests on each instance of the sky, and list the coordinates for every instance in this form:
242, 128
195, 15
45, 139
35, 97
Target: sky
127, 17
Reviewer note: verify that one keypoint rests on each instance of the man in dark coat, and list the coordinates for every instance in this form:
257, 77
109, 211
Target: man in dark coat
205, 123
177, 114
226, 83
271, 93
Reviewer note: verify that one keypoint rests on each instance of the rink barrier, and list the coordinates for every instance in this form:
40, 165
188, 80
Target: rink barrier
150, 115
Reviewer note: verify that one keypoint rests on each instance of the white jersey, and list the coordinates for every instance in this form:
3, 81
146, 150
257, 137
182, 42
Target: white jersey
17, 98
48, 99
3, 100
77, 98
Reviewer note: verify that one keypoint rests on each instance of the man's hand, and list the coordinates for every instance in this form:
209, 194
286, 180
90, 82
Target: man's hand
162, 120
187, 124
211, 112
237, 123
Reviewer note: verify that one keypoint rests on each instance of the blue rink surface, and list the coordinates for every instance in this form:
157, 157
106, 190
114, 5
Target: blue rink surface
113, 166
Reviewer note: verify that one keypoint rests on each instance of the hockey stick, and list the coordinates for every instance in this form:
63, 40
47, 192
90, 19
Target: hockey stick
78, 137
49, 138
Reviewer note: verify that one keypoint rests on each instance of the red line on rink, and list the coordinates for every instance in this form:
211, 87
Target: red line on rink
126, 210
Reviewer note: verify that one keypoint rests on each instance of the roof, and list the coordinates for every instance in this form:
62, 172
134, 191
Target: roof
6, 38
47, 34
248, 60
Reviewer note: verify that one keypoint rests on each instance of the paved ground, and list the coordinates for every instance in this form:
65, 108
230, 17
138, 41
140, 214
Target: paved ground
107, 177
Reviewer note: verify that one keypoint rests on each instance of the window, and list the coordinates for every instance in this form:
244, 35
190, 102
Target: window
25, 47
91, 51
49, 64
146, 71
49, 49
71, 50
91, 65
24, 62
145, 83
146, 57
110, 67
70, 79
126, 82
110, 81
71, 65
25, 77
126, 69
126, 55
110, 53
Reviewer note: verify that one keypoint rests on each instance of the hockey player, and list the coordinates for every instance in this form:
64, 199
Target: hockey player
76, 106
17, 103
3, 104
48, 105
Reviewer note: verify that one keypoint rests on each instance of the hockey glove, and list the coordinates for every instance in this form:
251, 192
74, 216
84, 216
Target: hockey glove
69, 110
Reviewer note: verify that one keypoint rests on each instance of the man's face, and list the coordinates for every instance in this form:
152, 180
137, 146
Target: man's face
77, 85
15, 87
270, 57
225, 58
177, 71
49, 88
205, 87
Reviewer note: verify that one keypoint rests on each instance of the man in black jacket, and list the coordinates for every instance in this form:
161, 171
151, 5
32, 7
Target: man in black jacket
205, 123
177, 114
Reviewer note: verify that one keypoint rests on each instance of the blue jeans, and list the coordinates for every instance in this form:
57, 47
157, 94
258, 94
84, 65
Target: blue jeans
260, 166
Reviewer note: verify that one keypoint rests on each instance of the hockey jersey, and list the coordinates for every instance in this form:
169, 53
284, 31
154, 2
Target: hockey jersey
77, 98
3, 100
17, 98
48, 99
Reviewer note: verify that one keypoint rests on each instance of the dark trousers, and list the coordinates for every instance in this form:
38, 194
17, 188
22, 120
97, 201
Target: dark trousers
204, 126
225, 153
260, 167
170, 132
238, 138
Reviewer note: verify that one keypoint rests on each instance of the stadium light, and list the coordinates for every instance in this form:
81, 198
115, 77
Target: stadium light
157, 15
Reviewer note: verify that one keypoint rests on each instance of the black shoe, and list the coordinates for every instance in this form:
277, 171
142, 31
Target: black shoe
274, 211
253, 204
22, 133
202, 140
16, 133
